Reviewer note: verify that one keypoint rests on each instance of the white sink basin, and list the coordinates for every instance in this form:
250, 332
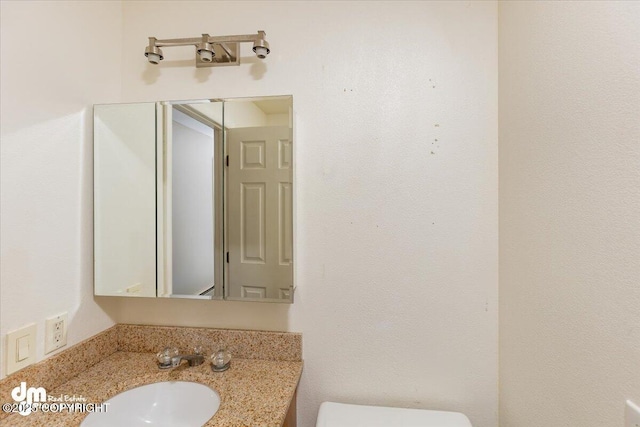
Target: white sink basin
166, 404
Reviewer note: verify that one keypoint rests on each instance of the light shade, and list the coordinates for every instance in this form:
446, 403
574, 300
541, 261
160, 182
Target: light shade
205, 50
261, 48
261, 52
154, 58
153, 54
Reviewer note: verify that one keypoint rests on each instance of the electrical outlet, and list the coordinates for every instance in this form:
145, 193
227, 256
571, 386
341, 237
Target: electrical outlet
55, 335
631, 415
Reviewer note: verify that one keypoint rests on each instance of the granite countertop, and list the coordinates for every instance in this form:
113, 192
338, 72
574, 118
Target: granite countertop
253, 392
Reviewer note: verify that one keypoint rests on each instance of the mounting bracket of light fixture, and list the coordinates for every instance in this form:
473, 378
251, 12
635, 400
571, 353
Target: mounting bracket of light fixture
211, 51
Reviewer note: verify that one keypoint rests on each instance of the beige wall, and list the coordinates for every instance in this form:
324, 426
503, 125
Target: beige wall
58, 59
569, 212
396, 232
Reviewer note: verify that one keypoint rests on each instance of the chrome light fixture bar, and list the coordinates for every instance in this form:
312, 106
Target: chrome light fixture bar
211, 51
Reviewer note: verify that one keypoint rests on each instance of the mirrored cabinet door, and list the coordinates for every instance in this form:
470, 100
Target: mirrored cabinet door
195, 199
259, 203
125, 199
191, 195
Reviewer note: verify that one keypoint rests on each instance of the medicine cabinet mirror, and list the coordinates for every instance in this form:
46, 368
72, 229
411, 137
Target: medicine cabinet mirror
194, 199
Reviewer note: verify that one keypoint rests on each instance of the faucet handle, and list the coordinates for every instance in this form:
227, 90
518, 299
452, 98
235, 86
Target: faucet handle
166, 358
220, 360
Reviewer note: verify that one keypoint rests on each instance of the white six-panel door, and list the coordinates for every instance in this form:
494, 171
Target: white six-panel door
259, 212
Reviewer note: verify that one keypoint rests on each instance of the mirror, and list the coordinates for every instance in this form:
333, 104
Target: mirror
124, 199
195, 199
259, 205
191, 201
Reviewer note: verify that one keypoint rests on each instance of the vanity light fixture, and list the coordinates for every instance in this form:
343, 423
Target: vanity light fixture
211, 51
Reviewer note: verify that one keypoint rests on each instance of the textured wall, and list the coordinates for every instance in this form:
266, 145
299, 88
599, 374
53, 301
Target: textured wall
58, 59
569, 212
396, 133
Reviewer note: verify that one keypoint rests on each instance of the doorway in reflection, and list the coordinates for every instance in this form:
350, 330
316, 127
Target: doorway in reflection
194, 211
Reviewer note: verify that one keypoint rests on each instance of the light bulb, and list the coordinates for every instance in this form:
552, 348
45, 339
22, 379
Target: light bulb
153, 58
206, 55
261, 52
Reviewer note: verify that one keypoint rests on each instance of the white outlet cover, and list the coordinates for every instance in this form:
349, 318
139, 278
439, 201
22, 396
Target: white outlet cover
13, 364
54, 339
631, 415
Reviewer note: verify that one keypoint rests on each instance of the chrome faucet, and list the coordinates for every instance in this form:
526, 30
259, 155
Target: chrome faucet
192, 359
171, 358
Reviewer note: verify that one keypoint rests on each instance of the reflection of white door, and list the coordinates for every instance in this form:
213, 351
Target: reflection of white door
260, 212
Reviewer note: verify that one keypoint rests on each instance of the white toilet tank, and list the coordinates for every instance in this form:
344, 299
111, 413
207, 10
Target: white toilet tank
344, 415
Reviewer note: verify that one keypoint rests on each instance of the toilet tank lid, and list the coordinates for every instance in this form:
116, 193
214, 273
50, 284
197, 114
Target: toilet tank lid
345, 415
